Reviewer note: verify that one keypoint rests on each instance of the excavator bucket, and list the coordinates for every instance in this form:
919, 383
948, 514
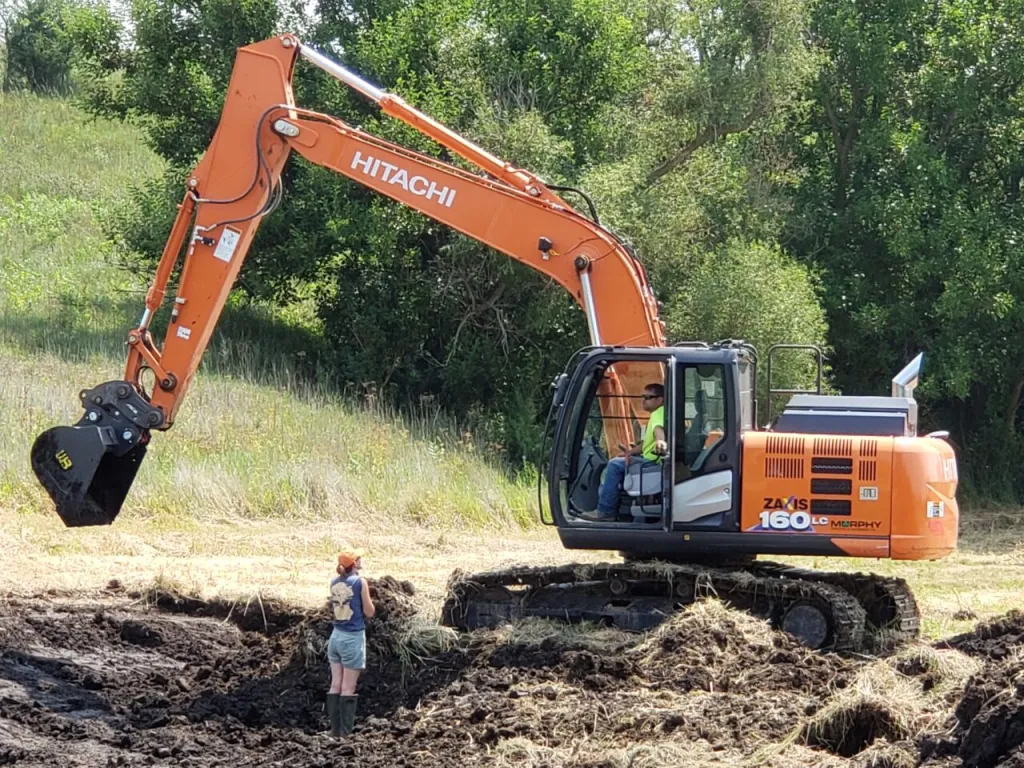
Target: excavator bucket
81, 472
87, 469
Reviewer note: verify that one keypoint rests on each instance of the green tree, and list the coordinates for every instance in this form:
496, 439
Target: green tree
911, 205
38, 49
59, 46
758, 293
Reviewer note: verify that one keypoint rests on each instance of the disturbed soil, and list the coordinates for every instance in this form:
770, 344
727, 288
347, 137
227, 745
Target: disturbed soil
990, 715
119, 678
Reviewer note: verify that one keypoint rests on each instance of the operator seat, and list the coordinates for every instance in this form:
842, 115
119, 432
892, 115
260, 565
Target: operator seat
645, 484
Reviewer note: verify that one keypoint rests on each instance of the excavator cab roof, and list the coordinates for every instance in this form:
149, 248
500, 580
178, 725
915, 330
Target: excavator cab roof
693, 352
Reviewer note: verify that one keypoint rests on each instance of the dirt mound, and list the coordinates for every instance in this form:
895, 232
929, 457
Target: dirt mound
990, 715
1016, 760
168, 679
710, 647
994, 639
172, 677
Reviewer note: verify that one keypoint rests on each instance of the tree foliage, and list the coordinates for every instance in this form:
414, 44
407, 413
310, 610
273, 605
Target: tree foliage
911, 205
53, 46
37, 49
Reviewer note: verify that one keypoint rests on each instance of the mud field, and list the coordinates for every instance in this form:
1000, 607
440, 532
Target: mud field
119, 678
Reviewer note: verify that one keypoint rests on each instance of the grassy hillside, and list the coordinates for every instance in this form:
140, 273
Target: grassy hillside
256, 437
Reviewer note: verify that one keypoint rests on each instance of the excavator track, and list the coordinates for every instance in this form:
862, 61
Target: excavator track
891, 612
638, 596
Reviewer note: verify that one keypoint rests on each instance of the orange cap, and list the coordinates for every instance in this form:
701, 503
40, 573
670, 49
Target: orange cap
348, 558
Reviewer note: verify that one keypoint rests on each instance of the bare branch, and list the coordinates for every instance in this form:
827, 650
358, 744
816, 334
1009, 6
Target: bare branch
709, 135
476, 311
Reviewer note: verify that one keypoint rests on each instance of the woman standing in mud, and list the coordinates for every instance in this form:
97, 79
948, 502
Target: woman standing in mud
346, 650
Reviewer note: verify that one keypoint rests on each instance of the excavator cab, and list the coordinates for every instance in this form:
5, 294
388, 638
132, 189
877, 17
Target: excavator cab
708, 404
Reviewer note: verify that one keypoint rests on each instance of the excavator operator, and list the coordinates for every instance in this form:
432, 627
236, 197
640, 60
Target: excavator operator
651, 448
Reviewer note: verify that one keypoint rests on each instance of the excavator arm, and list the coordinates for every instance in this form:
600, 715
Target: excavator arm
88, 468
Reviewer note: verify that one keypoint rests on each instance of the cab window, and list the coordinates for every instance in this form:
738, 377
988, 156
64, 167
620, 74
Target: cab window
700, 413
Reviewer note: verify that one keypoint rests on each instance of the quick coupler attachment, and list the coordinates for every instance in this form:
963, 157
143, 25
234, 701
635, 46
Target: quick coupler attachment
88, 469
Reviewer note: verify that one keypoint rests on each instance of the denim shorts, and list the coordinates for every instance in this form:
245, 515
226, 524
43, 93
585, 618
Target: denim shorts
347, 649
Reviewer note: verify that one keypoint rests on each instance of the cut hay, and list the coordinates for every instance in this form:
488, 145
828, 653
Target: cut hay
943, 672
417, 641
710, 618
312, 649
881, 703
886, 754
848, 727
890, 705
523, 753
559, 634
709, 646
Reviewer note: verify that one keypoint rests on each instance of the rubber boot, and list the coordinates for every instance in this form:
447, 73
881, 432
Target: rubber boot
334, 713
348, 714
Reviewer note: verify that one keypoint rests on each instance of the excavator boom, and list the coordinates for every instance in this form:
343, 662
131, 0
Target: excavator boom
89, 468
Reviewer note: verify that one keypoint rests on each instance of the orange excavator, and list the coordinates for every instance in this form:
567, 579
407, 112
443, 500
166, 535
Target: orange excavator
831, 475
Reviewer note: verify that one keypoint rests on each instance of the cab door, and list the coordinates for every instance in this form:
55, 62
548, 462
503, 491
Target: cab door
705, 448
593, 420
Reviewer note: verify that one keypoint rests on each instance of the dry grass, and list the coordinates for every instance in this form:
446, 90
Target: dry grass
291, 558
880, 704
891, 702
705, 616
236, 557
559, 634
742, 654
522, 753
886, 754
945, 669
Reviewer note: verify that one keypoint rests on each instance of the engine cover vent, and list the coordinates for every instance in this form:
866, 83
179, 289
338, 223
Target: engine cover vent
821, 465
831, 487
833, 446
868, 448
787, 446
775, 466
